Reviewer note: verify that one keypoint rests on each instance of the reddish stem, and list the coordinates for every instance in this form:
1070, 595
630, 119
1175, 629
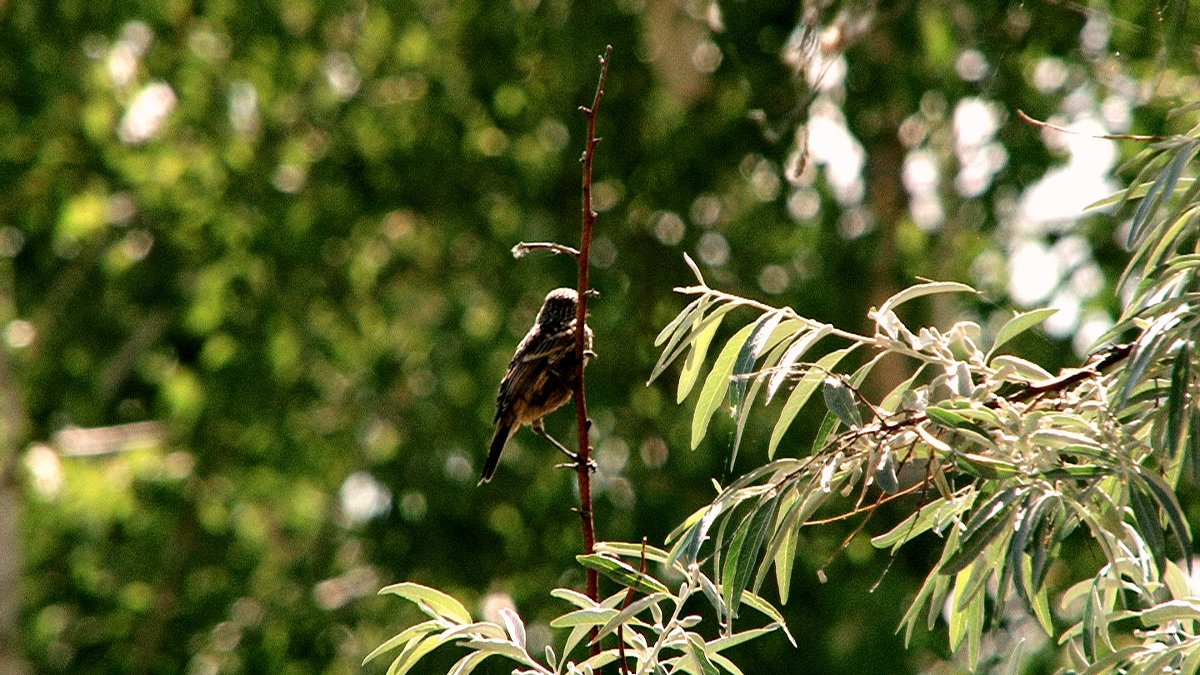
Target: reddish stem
585, 247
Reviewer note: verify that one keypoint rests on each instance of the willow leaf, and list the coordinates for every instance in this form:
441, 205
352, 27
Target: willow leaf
716, 384
802, 392
694, 362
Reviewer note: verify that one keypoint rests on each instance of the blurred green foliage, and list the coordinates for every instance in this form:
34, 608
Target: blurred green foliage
282, 231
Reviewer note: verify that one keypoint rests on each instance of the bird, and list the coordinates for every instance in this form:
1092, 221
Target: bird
541, 375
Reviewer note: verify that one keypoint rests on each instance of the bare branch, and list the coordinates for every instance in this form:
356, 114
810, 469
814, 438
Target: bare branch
584, 424
1108, 137
523, 248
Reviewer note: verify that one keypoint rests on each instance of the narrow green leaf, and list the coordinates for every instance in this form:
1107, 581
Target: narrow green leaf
959, 618
625, 616
1012, 662
1171, 610
909, 621
412, 632
983, 466
757, 603
413, 652
784, 559
934, 515
986, 566
1170, 505
1041, 610
621, 573
829, 424
1020, 542
742, 553
1088, 620
500, 648
768, 332
759, 342
840, 401
722, 643
1146, 350
687, 314
919, 290
937, 600
1025, 371
1146, 514
573, 596
1182, 221
432, 601
697, 652
946, 417
1191, 662
690, 320
692, 365
725, 664
634, 550
716, 384
595, 664
1019, 324
1160, 191
801, 393
895, 397
792, 355
694, 532
986, 524
885, 472
592, 616
1177, 401
467, 664
743, 410
1194, 441
746, 357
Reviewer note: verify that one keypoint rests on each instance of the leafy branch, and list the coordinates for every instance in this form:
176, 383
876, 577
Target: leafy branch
658, 631
1007, 459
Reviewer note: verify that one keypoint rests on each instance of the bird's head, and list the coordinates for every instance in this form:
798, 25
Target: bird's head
558, 311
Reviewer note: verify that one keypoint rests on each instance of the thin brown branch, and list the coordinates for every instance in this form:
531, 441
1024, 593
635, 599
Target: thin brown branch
1100, 362
523, 248
883, 499
583, 470
1107, 137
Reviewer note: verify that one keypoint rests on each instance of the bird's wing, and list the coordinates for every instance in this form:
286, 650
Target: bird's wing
552, 348
528, 371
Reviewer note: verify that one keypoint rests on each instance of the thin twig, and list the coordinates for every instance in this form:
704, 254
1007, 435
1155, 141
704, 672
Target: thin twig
1107, 137
585, 246
788, 312
523, 248
883, 499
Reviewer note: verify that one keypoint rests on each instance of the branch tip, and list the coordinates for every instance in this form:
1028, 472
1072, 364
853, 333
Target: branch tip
523, 248
1025, 117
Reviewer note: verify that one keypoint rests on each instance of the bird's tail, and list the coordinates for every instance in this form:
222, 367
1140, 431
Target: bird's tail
504, 429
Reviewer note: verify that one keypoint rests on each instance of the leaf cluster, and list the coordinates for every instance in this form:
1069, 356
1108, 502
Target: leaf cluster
1005, 460
655, 631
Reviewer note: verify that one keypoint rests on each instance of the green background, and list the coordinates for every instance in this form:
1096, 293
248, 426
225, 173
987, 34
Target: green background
304, 274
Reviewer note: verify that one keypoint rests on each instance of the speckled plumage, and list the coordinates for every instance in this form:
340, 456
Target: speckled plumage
542, 373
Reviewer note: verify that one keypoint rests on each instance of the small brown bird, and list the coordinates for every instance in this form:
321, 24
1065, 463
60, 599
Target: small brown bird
541, 375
